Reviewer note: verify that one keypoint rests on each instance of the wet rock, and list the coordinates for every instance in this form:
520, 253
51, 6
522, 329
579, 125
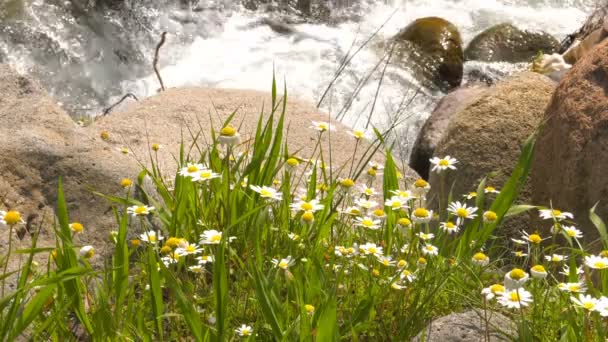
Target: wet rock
571, 154
469, 326
436, 125
431, 46
594, 22
507, 43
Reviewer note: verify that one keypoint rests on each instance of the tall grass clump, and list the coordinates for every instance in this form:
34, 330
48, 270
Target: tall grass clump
249, 240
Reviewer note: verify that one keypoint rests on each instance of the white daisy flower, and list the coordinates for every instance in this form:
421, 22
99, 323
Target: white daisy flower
586, 302
407, 275
430, 250
596, 262
421, 187
572, 232
229, 136
205, 175
492, 291
352, 211
516, 278
405, 195
426, 236
515, 299
359, 134
367, 222
490, 190
322, 126
244, 330
480, 259
188, 249
554, 214
267, 192
365, 203
442, 164
566, 270
284, 263
312, 205
449, 227
191, 170
139, 210
538, 272
211, 237
205, 259
578, 287
396, 203
462, 211
386, 260
371, 249
87, 252
151, 237
422, 215
556, 257
367, 191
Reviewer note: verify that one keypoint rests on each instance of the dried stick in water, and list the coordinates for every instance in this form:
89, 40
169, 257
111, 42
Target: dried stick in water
155, 62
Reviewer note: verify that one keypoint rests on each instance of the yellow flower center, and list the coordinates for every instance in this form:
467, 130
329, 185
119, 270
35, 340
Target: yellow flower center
306, 206
421, 212
228, 131
105, 135
347, 183
192, 168
444, 162
514, 297
372, 172
539, 268
462, 212
126, 182
309, 308
135, 242
367, 223
396, 204
358, 134
77, 227
490, 189
604, 253
589, 306
450, 225
165, 249
574, 288
599, 264
490, 216
245, 332
155, 147
472, 194
293, 162
535, 238
350, 250
140, 210
124, 150
322, 126
206, 174
265, 193
216, 238
190, 249
12, 218
480, 256
375, 272
308, 216
379, 213
497, 288
89, 254
429, 248
172, 242
372, 250
422, 261
517, 274
404, 221
421, 183
571, 232
152, 237
556, 212
406, 273
283, 264
402, 263
386, 262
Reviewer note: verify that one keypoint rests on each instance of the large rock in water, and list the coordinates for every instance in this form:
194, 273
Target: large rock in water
436, 125
433, 47
469, 326
592, 33
486, 135
571, 154
39, 143
507, 43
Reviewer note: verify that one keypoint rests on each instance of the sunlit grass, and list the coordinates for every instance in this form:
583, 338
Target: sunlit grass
249, 240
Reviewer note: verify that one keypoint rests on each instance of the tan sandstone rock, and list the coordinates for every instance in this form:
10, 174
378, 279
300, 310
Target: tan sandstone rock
486, 135
39, 142
571, 156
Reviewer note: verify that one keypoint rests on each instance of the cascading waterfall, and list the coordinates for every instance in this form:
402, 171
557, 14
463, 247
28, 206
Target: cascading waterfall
87, 57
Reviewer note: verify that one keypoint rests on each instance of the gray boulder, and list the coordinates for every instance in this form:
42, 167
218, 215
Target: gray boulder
469, 326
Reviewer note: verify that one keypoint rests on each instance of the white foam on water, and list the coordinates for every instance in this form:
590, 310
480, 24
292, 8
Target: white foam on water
244, 57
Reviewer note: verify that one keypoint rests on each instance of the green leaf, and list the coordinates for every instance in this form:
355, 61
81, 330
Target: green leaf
599, 225
327, 329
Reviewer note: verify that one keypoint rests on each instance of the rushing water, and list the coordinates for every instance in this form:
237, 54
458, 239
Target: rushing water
88, 61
